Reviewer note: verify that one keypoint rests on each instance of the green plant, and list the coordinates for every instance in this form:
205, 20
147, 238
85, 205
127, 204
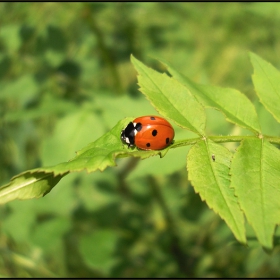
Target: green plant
233, 183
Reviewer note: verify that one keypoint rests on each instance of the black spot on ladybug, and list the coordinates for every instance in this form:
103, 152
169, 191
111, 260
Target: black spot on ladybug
152, 118
148, 144
154, 132
167, 140
138, 126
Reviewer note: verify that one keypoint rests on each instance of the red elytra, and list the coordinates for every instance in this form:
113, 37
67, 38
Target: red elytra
148, 133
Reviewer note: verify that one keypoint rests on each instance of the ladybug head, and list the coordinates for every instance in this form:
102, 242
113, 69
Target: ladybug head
128, 135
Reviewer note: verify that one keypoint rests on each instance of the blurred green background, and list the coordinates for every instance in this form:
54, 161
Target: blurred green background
66, 79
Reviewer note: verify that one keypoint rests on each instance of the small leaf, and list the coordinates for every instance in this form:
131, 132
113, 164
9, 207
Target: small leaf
208, 166
170, 98
102, 153
97, 155
267, 86
237, 108
27, 185
255, 174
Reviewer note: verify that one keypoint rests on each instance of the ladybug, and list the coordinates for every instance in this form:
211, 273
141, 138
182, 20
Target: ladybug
148, 133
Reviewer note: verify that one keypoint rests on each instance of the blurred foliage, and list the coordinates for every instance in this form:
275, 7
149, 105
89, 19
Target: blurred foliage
66, 78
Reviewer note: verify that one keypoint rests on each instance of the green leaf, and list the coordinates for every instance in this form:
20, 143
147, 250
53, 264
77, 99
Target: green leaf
208, 165
30, 184
170, 98
255, 174
267, 86
102, 153
97, 155
236, 107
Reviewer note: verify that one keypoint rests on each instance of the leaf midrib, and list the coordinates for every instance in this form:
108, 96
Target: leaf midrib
20, 186
219, 188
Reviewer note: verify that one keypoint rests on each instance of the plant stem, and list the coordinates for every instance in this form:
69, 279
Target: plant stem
225, 139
